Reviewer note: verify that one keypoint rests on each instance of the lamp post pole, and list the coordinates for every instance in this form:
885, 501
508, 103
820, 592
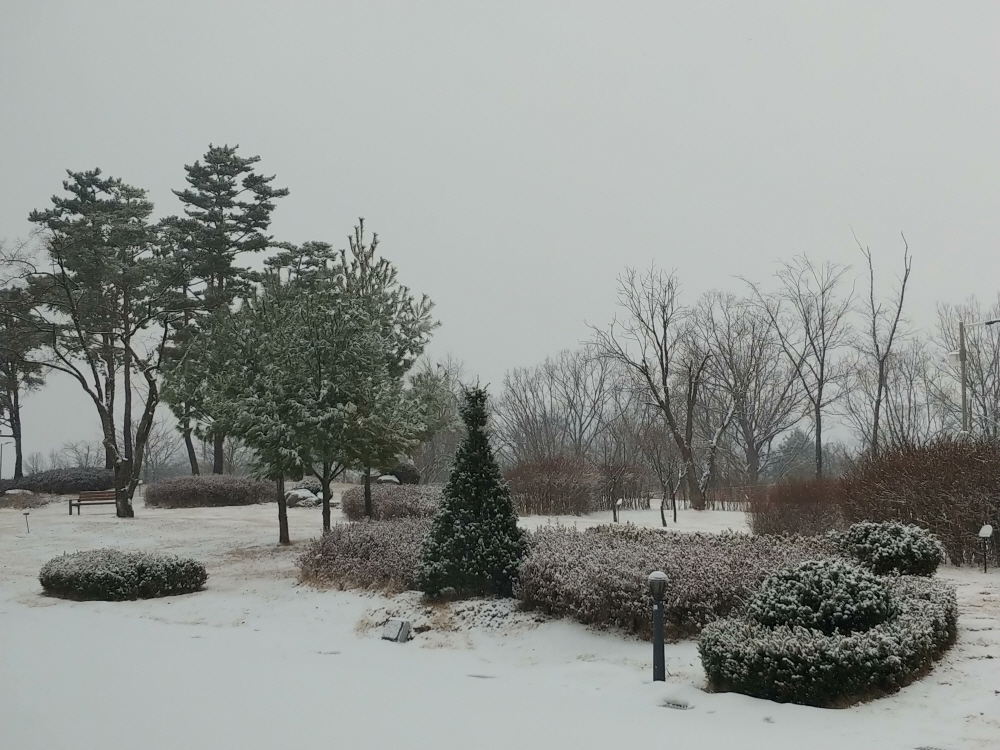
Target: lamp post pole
657, 587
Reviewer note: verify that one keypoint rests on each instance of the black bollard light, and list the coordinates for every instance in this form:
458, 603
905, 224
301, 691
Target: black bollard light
658, 587
984, 538
26, 522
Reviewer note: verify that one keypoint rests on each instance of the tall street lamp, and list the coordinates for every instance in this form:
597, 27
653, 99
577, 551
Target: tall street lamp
658, 587
962, 356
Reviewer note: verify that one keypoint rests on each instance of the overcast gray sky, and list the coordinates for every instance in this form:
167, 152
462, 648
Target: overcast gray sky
514, 157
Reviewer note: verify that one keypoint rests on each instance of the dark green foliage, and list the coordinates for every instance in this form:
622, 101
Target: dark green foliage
893, 548
63, 481
827, 595
800, 665
405, 472
114, 575
474, 546
213, 490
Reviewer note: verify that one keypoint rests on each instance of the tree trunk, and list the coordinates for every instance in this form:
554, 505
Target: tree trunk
283, 537
192, 455
127, 406
696, 496
219, 454
663, 502
369, 508
15, 430
123, 477
818, 416
325, 479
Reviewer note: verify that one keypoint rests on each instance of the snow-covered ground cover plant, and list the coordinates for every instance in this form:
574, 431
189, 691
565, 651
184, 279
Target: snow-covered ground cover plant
891, 547
114, 575
391, 501
63, 481
208, 491
599, 576
379, 555
825, 634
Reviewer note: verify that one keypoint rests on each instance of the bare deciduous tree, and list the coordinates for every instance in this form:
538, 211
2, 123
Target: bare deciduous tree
866, 400
810, 319
652, 342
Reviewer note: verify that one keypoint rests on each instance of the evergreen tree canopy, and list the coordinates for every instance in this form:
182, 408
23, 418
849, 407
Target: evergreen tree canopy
475, 546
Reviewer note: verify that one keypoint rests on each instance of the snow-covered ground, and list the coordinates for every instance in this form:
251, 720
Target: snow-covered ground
257, 661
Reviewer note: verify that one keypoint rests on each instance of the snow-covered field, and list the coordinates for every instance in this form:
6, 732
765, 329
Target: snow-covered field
257, 661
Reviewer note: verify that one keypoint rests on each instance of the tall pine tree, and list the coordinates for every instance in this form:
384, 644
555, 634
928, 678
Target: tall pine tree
474, 546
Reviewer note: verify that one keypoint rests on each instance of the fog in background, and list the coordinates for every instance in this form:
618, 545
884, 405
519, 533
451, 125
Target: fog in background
515, 157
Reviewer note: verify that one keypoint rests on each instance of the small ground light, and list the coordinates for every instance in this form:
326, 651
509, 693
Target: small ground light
26, 522
984, 537
658, 587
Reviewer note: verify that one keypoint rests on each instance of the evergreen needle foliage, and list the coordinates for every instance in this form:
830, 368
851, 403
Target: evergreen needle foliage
474, 546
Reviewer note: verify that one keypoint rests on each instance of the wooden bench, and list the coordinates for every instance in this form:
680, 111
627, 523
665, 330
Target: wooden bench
100, 497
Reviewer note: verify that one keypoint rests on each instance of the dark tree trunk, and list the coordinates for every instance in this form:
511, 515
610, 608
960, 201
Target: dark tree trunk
818, 416
192, 454
369, 508
123, 477
283, 537
15, 430
219, 454
325, 479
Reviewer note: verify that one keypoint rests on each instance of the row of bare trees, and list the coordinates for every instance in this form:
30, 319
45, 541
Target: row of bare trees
715, 392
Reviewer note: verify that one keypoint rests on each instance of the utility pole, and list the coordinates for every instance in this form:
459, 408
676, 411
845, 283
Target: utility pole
961, 363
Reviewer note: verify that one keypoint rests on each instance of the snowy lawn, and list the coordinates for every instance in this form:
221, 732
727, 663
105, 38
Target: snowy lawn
256, 661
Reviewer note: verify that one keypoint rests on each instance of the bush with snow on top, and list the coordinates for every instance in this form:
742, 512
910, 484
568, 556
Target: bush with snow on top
116, 575
210, 491
390, 501
893, 548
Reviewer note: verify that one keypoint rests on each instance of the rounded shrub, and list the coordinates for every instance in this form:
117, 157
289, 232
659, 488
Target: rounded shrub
794, 664
826, 595
214, 490
892, 547
310, 483
113, 575
405, 472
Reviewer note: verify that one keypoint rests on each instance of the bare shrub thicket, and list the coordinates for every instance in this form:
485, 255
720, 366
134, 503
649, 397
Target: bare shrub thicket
208, 491
391, 501
371, 555
555, 486
809, 507
599, 577
949, 487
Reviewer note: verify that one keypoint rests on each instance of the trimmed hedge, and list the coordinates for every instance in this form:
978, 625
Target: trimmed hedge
391, 501
374, 555
893, 548
114, 575
599, 577
792, 664
63, 481
827, 595
213, 490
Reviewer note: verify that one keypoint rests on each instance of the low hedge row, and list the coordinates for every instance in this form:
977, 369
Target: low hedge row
370, 555
391, 501
599, 577
212, 490
793, 664
116, 575
63, 481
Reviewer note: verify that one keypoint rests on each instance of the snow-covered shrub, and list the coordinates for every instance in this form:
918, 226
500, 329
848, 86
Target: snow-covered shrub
564, 485
950, 486
381, 555
391, 501
63, 481
405, 472
811, 506
310, 483
24, 500
828, 595
801, 665
599, 576
893, 548
207, 491
114, 575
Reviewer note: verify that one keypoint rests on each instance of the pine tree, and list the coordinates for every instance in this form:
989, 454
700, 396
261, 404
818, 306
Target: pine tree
474, 546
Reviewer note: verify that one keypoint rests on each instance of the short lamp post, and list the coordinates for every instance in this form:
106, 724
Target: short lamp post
984, 538
658, 587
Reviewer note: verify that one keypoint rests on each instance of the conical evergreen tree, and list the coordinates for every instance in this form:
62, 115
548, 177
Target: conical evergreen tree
474, 546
